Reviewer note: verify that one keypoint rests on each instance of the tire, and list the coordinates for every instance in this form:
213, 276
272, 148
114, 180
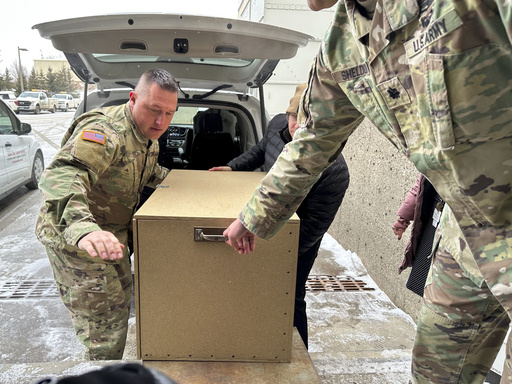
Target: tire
37, 171
37, 110
66, 109
53, 109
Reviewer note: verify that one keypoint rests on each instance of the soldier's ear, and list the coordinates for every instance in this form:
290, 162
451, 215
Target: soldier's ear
133, 100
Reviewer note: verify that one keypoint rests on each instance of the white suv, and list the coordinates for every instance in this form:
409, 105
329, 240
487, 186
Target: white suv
220, 64
21, 158
10, 99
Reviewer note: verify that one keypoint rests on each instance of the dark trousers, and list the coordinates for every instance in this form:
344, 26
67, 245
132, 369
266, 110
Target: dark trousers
305, 262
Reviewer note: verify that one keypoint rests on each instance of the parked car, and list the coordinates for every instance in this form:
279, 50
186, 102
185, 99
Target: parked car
65, 101
10, 99
21, 157
36, 101
221, 66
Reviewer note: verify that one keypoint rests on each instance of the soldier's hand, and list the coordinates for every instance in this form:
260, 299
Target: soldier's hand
239, 237
223, 168
103, 244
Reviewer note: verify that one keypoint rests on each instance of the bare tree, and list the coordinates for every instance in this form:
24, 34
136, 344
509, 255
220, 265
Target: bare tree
15, 70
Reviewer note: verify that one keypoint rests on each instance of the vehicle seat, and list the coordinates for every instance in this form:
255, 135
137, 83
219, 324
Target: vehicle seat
229, 121
211, 146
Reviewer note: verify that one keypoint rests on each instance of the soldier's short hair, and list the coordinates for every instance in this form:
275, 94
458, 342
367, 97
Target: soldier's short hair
160, 77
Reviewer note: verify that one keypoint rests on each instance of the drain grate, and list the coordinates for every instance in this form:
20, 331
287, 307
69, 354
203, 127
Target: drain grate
329, 283
28, 289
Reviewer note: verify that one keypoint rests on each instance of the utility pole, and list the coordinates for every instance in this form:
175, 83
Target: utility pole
21, 68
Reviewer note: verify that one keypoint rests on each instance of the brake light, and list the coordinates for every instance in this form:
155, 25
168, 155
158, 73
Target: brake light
15, 102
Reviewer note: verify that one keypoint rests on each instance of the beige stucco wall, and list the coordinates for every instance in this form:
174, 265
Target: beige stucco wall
380, 177
56, 66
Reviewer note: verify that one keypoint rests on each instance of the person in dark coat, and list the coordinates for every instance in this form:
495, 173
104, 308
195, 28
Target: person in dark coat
318, 209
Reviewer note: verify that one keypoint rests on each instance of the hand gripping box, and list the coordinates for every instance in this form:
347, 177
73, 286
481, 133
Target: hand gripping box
197, 299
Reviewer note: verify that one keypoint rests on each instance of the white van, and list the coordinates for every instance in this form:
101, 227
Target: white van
21, 158
10, 99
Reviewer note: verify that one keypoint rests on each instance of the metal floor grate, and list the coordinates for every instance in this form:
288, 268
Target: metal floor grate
329, 283
28, 289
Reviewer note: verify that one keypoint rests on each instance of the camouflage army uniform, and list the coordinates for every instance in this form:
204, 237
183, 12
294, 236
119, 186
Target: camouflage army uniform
435, 77
94, 183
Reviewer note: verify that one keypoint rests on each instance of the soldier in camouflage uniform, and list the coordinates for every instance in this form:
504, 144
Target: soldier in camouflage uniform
91, 190
435, 77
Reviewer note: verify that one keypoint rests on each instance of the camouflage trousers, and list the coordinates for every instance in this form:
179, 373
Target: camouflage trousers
98, 296
461, 325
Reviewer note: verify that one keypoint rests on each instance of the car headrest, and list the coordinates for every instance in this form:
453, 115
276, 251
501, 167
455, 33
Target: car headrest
212, 123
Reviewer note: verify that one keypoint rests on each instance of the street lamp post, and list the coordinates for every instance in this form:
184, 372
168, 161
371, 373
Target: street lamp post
21, 68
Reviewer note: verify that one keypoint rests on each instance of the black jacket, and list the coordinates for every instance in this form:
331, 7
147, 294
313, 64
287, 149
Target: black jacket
319, 208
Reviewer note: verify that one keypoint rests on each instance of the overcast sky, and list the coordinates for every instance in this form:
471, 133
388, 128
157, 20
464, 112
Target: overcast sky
18, 17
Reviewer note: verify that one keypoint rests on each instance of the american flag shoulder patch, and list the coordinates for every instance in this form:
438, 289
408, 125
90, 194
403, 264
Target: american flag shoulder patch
94, 136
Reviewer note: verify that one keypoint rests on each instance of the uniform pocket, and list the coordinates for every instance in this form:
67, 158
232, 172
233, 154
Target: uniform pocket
469, 95
438, 102
72, 266
362, 96
86, 298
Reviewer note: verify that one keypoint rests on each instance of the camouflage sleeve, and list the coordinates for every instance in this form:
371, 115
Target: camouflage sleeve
327, 119
159, 174
65, 215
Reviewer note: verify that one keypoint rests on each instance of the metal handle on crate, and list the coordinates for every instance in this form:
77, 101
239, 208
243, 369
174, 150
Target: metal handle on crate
200, 235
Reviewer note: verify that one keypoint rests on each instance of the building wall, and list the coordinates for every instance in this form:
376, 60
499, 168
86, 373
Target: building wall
56, 65
292, 14
380, 175
380, 178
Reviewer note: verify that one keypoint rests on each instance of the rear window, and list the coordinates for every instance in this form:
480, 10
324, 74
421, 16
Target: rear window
200, 137
30, 94
185, 115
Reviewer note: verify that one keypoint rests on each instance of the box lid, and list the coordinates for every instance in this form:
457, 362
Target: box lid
207, 194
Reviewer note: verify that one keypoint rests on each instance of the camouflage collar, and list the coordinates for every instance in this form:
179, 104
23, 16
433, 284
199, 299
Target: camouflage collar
361, 13
400, 12
379, 15
140, 137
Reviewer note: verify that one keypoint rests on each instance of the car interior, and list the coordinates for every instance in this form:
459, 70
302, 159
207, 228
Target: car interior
202, 136
199, 138
211, 139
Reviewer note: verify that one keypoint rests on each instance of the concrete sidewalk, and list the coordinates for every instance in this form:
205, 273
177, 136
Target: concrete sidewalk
354, 337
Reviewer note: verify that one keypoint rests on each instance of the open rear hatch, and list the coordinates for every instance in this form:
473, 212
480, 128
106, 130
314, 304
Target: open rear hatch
200, 52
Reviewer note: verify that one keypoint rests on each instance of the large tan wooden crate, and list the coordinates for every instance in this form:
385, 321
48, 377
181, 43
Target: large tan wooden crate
201, 300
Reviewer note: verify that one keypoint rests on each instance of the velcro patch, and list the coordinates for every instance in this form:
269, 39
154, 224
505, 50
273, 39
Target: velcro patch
94, 136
